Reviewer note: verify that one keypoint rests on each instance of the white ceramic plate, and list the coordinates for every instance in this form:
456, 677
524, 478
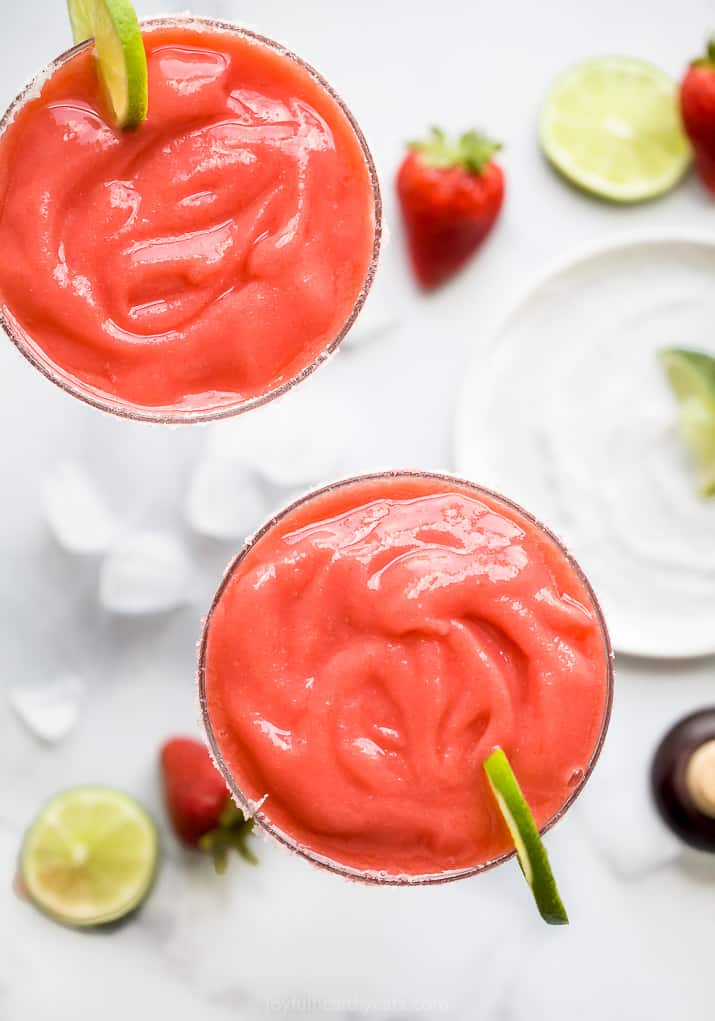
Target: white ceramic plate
567, 411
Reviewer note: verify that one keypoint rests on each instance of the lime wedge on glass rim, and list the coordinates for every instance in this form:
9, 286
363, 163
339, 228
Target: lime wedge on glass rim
611, 125
90, 856
121, 58
691, 375
530, 850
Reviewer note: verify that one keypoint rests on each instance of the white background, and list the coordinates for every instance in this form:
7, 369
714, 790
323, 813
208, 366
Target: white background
284, 940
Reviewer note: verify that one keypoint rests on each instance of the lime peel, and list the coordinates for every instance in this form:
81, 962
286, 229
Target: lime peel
121, 58
530, 850
90, 856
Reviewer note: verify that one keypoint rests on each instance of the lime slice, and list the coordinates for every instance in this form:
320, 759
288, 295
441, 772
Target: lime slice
692, 376
90, 856
121, 58
611, 126
80, 12
530, 851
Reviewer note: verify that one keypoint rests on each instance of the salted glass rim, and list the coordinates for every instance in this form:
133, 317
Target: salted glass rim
370, 876
178, 415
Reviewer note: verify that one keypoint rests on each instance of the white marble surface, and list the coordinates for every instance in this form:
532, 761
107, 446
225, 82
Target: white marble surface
284, 940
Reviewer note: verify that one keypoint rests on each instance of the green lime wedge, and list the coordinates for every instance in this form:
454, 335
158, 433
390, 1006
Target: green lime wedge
90, 856
530, 850
121, 58
691, 374
611, 125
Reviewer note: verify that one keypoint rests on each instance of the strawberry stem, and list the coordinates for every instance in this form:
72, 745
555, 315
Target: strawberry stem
709, 59
472, 151
231, 833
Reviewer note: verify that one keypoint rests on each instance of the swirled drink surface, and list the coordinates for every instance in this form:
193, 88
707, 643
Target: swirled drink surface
372, 648
208, 256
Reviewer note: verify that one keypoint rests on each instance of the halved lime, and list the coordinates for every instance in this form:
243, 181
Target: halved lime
692, 376
611, 126
530, 850
121, 57
90, 856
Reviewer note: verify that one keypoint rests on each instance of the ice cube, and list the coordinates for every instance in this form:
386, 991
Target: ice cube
147, 572
226, 500
49, 711
294, 441
78, 517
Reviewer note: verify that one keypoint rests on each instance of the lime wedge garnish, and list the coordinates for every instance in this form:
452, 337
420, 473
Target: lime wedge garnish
121, 58
692, 376
611, 126
90, 856
530, 850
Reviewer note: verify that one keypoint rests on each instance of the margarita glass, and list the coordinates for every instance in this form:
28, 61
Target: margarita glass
368, 649
207, 261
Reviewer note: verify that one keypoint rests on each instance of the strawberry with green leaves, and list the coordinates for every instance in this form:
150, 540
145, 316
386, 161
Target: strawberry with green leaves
450, 194
697, 108
200, 808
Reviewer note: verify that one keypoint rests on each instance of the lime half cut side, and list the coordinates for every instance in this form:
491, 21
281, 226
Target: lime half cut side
121, 58
691, 375
530, 850
90, 856
611, 125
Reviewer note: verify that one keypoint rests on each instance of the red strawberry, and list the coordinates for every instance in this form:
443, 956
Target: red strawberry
451, 195
201, 810
697, 108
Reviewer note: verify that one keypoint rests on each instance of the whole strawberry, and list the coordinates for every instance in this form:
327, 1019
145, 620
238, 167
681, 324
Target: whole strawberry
450, 194
697, 109
199, 806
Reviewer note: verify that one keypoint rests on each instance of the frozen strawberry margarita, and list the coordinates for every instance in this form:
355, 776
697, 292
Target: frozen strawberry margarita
202, 261
371, 647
